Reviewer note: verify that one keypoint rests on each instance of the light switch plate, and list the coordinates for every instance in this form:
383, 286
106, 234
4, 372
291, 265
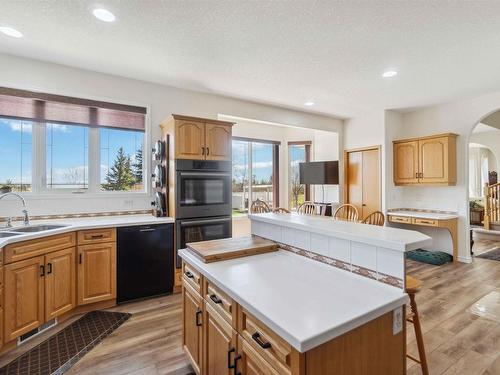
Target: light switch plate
397, 320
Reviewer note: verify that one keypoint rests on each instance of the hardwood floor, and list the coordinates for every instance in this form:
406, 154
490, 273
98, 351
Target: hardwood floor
459, 308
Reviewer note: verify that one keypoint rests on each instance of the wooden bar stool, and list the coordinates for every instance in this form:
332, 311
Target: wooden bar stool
412, 288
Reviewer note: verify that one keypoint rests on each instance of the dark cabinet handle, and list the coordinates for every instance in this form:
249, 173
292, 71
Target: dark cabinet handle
198, 313
49, 271
189, 275
229, 365
262, 344
97, 236
208, 151
42, 270
80, 258
235, 364
203, 150
215, 299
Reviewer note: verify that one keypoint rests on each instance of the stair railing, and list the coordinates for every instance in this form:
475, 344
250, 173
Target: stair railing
491, 204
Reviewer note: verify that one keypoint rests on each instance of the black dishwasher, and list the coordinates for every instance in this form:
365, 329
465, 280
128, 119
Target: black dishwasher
145, 261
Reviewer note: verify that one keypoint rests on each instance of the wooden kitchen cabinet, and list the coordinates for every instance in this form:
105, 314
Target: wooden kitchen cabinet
220, 341
60, 282
251, 363
24, 296
192, 327
427, 160
96, 272
198, 138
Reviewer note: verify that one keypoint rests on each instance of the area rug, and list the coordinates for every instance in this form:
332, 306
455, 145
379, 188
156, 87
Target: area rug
61, 351
436, 258
493, 254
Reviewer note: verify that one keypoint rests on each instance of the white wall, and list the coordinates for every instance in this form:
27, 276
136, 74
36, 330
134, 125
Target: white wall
325, 146
22, 73
491, 140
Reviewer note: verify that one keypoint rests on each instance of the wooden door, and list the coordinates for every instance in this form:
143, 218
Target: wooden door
220, 342
190, 140
433, 160
252, 362
24, 296
218, 142
371, 183
406, 162
60, 282
96, 272
192, 319
354, 186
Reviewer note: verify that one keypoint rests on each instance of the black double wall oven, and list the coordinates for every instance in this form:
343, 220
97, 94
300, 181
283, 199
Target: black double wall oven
203, 201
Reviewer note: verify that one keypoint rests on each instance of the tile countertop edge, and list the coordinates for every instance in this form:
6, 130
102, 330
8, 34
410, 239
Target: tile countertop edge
308, 343
76, 224
423, 240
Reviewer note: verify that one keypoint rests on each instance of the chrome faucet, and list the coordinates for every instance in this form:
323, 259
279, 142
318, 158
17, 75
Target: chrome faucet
26, 218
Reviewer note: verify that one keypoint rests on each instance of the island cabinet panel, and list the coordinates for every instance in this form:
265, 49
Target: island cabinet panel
220, 302
60, 282
252, 363
24, 296
220, 342
218, 142
192, 277
371, 349
96, 272
189, 140
192, 319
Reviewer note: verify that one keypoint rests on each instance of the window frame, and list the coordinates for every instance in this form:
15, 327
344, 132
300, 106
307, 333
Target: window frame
39, 165
307, 150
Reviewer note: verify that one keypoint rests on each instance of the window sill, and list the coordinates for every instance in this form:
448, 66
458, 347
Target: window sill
85, 195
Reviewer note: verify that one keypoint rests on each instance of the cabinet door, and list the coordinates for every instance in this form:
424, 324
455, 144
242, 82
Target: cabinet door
189, 140
24, 297
371, 183
219, 342
433, 160
251, 362
406, 162
218, 142
60, 282
192, 319
96, 273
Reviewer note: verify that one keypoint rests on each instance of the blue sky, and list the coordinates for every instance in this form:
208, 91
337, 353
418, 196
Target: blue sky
69, 149
262, 156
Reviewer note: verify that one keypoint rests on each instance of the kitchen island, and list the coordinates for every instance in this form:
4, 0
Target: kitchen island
290, 312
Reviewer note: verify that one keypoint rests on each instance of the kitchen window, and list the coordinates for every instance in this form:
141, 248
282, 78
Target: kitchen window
298, 152
53, 144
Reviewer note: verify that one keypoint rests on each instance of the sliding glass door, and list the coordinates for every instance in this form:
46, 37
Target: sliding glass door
298, 152
255, 173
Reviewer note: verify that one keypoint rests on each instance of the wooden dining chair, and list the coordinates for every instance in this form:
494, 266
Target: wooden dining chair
307, 208
346, 212
375, 218
258, 207
412, 287
281, 210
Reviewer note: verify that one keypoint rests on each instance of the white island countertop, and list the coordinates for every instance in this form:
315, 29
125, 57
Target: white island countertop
74, 224
305, 302
387, 237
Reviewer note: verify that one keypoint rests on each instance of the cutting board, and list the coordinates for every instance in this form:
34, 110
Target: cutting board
231, 248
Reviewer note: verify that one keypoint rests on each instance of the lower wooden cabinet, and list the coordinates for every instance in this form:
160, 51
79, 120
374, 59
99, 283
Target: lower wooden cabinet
220, 342
192, 319
251, 362
96, 272
60, 282
24, 296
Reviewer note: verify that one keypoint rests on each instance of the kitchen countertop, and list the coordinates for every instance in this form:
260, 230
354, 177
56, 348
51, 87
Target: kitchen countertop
423, 214
387, 237
74, 224
310, 303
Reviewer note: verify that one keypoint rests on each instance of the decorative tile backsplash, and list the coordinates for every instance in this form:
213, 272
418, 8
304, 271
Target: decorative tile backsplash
377, 263
74, 216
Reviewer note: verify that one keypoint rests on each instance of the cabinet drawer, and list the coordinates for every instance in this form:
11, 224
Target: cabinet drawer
31, 248
220, 302
265, 342
86, 237
252, 362
400, 219
192, 277
428, 222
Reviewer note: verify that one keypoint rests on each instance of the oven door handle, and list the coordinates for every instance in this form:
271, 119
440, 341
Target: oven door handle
204, 174
200, 222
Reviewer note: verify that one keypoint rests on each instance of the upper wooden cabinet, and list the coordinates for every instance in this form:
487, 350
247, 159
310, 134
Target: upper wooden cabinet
199, 138
428, 160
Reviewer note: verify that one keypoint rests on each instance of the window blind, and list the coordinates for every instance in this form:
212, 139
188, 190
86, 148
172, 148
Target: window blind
40, 107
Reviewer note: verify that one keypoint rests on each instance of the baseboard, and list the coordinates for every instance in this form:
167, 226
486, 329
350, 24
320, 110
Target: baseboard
462, 259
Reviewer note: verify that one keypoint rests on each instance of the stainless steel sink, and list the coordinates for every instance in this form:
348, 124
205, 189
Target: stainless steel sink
8, 234
37, 228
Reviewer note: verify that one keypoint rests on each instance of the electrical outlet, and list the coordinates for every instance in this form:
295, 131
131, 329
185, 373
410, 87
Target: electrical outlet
397, 320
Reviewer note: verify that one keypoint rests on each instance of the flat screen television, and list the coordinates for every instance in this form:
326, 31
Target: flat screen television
319, 173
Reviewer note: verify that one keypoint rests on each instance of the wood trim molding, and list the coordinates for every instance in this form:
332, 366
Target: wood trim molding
267, 141
425, 137
298, 143
201, 119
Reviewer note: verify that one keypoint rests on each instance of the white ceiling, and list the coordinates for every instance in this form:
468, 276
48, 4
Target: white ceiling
282, 52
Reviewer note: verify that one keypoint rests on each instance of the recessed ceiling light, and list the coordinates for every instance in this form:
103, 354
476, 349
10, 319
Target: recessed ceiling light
389, 74
104, 15
11, 32
309, 103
